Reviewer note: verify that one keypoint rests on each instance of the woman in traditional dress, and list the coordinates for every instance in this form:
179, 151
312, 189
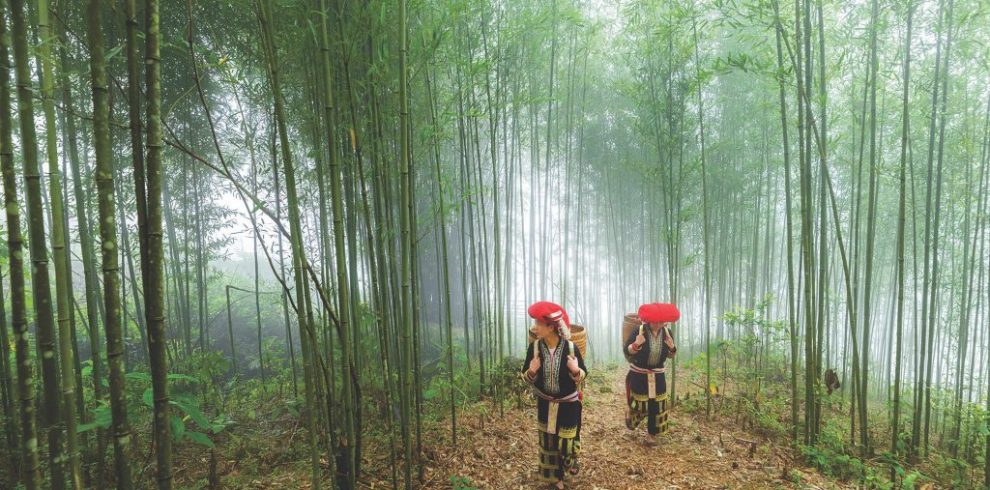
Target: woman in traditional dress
555, 368
647, 349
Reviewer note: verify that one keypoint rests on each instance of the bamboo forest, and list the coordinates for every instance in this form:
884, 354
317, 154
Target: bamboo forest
425, 244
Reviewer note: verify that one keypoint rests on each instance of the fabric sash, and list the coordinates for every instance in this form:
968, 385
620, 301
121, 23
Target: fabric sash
573, 397
650, 380
636, 369
554, 406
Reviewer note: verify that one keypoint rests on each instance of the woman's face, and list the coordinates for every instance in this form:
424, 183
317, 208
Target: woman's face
542, 329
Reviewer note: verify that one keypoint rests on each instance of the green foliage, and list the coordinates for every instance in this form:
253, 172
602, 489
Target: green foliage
764, 413
199, 438
910, 480
893, 462
795, 477
834, 464
749, 369
461, 483
844, 467
507, 373
205, 367
100, 417
956, 471
467, 383
186, 407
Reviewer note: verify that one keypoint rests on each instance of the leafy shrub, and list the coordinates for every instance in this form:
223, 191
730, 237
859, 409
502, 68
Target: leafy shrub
461, 483
844, 467
185, 407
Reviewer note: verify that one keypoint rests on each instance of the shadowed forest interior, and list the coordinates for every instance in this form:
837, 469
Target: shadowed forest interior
292, 243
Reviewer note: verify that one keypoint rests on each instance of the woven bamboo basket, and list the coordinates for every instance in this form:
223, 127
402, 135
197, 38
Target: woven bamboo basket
578, 335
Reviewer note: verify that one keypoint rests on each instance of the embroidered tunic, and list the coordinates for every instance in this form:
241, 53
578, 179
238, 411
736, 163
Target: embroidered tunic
647, 402
558, 407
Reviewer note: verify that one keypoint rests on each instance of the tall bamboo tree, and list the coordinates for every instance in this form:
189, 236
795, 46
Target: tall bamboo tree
791, 316
60, 251
351, 459
307, 337
121, 431
706, 238
870, 228
407, 400
901, 229
153, 252
30, 466
39, 251
84, 227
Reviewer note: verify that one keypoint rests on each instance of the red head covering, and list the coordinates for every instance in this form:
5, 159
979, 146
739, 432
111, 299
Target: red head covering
659, 313
553, 315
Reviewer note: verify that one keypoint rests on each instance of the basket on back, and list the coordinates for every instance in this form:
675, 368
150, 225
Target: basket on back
629, 323
578, 335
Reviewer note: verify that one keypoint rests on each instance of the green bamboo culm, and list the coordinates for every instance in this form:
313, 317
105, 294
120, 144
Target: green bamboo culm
705, 224
445, 264
120, 427
308, 340
60, 252
406, 391
152, 247
349, 461
41, 285
29, 464
94, 306
901, 229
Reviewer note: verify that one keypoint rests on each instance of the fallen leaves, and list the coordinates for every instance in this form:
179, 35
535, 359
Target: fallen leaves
696, 453
500, 453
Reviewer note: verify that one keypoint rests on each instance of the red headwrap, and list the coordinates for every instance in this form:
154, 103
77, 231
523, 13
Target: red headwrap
552, 314
659, 313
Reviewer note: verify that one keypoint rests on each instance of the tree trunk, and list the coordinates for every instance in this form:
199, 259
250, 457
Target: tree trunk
121, 431
705, 225
154, 254
407, 400
902, 203
307, 337
346, 476
29, 463
40, 282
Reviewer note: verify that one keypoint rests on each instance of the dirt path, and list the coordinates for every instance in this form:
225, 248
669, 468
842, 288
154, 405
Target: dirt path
695, 454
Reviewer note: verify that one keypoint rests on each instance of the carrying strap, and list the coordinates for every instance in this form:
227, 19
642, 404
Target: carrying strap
580, 387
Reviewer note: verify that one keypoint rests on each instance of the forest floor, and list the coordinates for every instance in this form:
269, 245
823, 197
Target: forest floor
499, 450
501, 453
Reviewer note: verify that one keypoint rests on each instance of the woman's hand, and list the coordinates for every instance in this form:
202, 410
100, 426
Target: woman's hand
572, 365
534, 366
637, 344
667, 339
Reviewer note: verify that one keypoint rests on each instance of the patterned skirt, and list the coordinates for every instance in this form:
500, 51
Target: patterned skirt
653, 410
560, 447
